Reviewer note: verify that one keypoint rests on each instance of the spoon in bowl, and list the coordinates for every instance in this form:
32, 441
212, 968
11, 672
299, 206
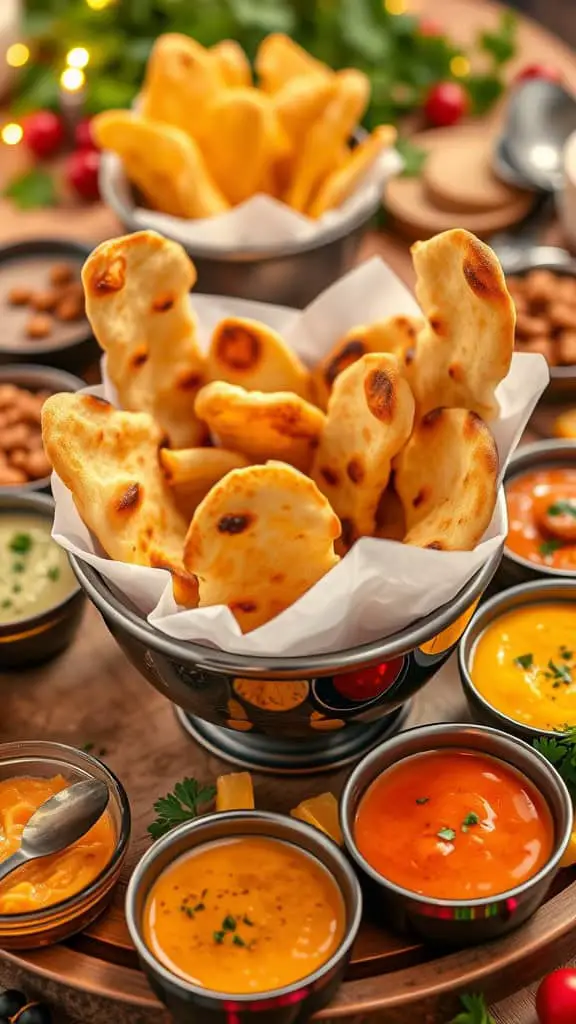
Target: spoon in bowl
59, 822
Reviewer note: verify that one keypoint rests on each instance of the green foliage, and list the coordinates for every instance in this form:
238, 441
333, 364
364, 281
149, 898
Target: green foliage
32, 189
474, 1011
561, 753
414, 157
183, 804
401, 62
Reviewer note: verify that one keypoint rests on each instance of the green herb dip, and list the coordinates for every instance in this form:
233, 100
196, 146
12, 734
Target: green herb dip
35, 573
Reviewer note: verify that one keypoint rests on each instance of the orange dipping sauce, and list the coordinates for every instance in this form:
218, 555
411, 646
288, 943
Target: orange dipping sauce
542, 517
453, 824
53, 879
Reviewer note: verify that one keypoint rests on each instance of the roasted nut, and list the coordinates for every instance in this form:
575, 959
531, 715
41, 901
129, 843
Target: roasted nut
8, 394
61, 273
46, 301
562, 315
566, 290
39, 326
18, 458
19, 295
70, 308
15, 437
567, 348
38, 464
531, 326
540, 286
539, 343
11, 476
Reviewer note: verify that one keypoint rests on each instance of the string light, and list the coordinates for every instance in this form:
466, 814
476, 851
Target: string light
12, 134
460, 67
395, 6
78, 57
98, 5
72, 79
17, 55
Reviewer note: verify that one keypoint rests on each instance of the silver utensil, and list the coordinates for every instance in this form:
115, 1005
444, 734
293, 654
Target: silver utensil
59, 822
541, 115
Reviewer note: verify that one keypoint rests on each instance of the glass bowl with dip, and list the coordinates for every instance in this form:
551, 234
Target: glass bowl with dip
540, 487
517, 660
47, 900
244, 912
41, 602
457, 829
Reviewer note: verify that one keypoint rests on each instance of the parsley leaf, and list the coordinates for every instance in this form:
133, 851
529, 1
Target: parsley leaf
446, 833
470, 819
53, 573
32, 189
238, 941
181, 805
20, 543
561, 753
548, 547
524, 660
229, 923
475, 1011
563, 508
561, 672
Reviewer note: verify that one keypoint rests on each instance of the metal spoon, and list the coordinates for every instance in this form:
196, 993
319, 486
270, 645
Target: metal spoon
59, 822
541, 116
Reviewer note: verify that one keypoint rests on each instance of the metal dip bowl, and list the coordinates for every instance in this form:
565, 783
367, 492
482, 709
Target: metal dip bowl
298, 1001
458, 922
288, 713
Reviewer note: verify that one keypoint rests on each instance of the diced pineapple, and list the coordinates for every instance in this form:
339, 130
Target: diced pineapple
569, 856
234, 792
322, 812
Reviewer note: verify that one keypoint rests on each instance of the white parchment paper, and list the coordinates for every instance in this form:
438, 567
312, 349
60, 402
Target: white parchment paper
380, 586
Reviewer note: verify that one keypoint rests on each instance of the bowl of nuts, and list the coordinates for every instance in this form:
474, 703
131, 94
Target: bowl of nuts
544, 292
42, 304
23, 391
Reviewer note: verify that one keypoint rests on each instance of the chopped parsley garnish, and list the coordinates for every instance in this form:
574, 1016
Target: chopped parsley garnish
447, 834
563, 508
559, 672
187, 910
548, 547
53, 573
524, 661
186, 802
87, 747
229, 923
470, 819
565, 653
18, 567
246, 920
6, 603
422, 799
218, 937
16, 588
238, 941
199, 906
20, 543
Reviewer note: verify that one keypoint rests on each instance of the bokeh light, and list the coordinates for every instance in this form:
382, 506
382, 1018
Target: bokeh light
460, 66
395, 6
72, 79
78, 57
12, 134
17, 55
98, 5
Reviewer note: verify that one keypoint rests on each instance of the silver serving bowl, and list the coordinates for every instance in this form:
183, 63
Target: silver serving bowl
287, 1005
540, 455
536, 592
459, 922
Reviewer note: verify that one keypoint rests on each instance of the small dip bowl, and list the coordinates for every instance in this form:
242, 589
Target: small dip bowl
531, 458
299, 1000
458, 922
42, 759
26, 267
40, 636
535, 593
34, 379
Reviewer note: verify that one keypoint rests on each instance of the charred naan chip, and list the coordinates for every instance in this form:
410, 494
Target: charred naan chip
108, 459
370, 416
182, 79
262, 426
279, 60
260, 539
191, 472
446, 478
137, 302
250, 354
163, 162
395, 334
232, 63
341, 182
465, 348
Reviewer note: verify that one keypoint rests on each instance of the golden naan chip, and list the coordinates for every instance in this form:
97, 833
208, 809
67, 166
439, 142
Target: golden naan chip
301, 101
395, 334
323, 143
446, 478
342, 182
248, 353
232, 63
465, 348
137, 302
108, 459
370, 416
163, 162
262, 426
191, 472
182, 79
279, 59
260, 539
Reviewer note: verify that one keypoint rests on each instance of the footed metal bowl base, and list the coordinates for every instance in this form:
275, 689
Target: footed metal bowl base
292, 757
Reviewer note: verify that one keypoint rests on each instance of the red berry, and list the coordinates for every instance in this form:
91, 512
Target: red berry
83, 135
82, 169
556, 997
429, 27
43, 133
539, 71
445, 104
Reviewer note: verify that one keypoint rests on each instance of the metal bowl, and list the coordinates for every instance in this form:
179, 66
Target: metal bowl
299, 711
459, 922
540, 455
537, 592
294, 1002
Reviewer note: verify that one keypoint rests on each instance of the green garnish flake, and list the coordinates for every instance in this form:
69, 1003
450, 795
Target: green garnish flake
87, 747
566, 654
548, 547
16, 589
229, 923
470, 819
246, 920
560, 672
18, 567
187, 910
186, 802
20, 543
6, 603
238, 941
218, 937
448, 834
524, 661
422, 799
562, 508
199, 906
561, 753
53, 573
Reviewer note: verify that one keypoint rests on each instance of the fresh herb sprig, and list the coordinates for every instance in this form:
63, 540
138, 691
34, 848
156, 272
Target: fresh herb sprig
474, 1011
187, 801
560, 751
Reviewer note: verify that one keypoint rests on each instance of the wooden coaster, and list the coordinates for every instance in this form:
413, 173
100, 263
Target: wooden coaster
458, 176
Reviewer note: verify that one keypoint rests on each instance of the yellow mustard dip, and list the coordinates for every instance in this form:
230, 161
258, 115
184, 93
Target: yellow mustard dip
35, 574
524, 664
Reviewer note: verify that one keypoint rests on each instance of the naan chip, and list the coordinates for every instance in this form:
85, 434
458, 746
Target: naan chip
370, 416
250, 354
232, 63
395, 334
182, 79
262, 426
390, 519
301, 101
465, 348
109, 461
137, 302
342, 182
446, 478
163, 162
191, 472
260, 539
279, 60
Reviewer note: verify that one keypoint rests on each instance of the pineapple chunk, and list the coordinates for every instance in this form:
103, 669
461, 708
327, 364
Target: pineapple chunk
234, 792
322, 812
569, 856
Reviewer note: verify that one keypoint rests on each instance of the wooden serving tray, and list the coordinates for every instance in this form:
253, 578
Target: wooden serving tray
92, 695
